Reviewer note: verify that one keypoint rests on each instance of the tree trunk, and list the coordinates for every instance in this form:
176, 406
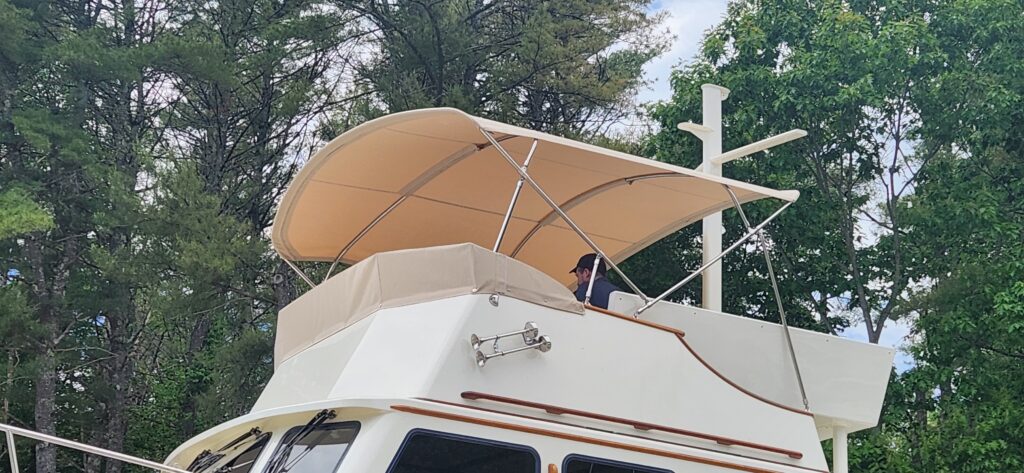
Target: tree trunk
8, 386
46, 392
117, 425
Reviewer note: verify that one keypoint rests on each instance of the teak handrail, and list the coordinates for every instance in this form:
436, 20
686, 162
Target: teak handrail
664, 328
736, 385
556, 410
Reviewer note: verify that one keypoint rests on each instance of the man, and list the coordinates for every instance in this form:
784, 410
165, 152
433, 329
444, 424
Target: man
602, 287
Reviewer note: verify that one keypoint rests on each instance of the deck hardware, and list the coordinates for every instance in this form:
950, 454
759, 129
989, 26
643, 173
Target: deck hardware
542, 343
531, 338
644, 426
529, 332
493, 300
714, 260
300, 272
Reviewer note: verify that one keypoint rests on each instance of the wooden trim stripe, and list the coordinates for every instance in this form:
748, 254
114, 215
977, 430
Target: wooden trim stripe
578, 438
472, 395
630, 435
635, 320
737, 386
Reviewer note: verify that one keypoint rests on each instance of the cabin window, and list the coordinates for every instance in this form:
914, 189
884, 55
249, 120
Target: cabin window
582, 464
426, 451
319, 451
243, 462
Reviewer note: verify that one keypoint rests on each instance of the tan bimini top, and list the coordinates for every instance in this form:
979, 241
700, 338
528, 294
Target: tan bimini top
400, 278
430, 177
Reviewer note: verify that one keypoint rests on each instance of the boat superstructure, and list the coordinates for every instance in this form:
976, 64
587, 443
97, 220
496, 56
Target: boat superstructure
453, 343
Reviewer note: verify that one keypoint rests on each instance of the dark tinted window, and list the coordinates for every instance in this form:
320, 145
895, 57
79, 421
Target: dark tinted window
320, 451
435, 452
243, 462
578, 464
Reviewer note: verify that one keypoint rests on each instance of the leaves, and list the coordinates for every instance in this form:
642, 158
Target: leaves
19, 214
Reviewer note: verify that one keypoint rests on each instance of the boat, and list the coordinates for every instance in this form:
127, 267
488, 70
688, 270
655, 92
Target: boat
453, 341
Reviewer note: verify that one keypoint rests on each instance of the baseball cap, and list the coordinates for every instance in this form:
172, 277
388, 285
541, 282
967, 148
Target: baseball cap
587, 261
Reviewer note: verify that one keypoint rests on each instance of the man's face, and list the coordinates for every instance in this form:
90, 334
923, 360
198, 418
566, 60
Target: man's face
582, 276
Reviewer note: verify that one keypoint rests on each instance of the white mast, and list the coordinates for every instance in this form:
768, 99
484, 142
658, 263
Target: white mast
713, 96
710, 132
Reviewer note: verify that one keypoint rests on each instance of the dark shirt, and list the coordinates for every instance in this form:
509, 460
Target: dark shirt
599, 296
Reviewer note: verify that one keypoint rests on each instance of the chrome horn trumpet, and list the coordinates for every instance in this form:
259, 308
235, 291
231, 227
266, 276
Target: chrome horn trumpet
529, 333
531, 337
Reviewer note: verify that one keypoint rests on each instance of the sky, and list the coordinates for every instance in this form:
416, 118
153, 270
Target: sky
687, 22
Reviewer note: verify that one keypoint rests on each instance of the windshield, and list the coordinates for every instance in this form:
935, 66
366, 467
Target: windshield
243, 463
319, 451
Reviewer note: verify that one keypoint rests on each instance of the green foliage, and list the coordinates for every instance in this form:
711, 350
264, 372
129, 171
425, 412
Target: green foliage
567, 66
913, 110
19, 214
831, 68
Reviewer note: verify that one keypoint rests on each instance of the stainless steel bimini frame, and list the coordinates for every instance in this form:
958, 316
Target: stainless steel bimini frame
11, 431
558, 211
778, 297
714, 260
523, 175
515, 198
648, 303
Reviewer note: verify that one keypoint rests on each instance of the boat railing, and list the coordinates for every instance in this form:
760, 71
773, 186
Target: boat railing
11, 431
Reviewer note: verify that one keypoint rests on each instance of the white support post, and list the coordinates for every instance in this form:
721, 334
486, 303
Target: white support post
710, 133
713, 96
840, 457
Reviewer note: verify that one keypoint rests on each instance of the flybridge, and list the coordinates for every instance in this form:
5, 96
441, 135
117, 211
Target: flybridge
439, 176
435, 177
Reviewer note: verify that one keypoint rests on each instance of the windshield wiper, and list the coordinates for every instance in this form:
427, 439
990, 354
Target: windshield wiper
276, 463
206, 458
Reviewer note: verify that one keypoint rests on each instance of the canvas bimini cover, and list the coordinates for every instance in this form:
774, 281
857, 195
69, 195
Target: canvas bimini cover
431, 177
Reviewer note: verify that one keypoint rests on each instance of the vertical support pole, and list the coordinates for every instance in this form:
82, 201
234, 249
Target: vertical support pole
711, 287
561, 213
299, 272
515, 198
840, 457
11, 452
593, 277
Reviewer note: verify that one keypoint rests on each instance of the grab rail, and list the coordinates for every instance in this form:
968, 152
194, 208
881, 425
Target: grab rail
556, 410
11, 431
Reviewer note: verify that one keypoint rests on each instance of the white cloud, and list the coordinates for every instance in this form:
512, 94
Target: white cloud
688, 21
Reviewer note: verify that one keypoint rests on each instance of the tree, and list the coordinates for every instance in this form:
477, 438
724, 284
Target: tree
847, 72
566, 66
247, 103
966, 226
